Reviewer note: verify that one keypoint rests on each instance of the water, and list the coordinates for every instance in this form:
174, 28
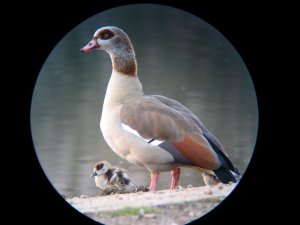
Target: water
179, 56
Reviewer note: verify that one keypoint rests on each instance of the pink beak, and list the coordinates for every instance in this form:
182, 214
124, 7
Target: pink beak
92, 45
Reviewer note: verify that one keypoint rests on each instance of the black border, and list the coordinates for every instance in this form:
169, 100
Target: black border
40, 27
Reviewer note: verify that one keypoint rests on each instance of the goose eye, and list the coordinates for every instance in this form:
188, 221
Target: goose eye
106, 34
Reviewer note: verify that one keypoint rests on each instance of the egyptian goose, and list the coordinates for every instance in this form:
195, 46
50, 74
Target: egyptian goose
107, 177
153, 131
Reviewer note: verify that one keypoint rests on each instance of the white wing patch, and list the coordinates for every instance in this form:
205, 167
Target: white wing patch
129, 129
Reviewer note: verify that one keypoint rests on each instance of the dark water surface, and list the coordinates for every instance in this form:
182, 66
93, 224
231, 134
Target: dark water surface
179, 56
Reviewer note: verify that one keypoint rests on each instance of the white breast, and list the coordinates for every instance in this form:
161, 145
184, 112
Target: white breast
120, 89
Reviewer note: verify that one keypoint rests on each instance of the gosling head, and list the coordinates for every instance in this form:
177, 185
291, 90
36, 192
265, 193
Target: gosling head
100, 168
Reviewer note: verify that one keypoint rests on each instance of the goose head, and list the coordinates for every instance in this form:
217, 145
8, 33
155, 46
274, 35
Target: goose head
117, 44
100, 168
110, 39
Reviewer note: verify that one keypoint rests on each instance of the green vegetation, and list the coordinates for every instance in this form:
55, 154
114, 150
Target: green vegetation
132, 211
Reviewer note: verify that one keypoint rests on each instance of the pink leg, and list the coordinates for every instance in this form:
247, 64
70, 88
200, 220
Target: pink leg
154, 177
175, 177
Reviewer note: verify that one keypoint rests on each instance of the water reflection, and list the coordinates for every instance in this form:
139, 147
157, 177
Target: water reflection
179, 56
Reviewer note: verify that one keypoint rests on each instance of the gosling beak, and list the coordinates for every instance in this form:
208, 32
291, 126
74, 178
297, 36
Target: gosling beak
93, 174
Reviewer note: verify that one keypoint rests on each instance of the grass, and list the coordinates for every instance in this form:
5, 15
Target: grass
135, 211
132, 211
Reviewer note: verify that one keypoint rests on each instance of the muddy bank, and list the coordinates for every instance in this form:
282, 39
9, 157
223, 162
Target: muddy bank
180, 206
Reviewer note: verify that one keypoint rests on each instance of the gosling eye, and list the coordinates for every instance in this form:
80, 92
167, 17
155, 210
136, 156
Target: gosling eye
99, 166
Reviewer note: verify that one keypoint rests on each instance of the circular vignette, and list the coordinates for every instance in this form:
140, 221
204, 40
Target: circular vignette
66, 103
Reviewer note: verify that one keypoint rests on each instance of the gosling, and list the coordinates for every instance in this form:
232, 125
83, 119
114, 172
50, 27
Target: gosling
108, 177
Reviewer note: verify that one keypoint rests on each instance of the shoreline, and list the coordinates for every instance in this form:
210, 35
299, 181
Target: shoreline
179, 206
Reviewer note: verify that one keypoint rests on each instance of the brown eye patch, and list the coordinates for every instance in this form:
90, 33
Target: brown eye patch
99, 166
106, 34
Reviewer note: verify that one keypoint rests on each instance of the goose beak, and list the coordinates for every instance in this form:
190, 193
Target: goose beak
92, 45
93, 174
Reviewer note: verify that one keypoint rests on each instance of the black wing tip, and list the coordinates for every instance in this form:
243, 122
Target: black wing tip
226, 163
226, 176
236, 171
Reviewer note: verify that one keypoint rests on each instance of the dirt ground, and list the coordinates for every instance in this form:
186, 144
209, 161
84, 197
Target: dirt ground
163, 207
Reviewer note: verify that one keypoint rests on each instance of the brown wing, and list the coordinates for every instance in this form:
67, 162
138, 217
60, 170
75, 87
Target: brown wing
153, 118
186, 112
